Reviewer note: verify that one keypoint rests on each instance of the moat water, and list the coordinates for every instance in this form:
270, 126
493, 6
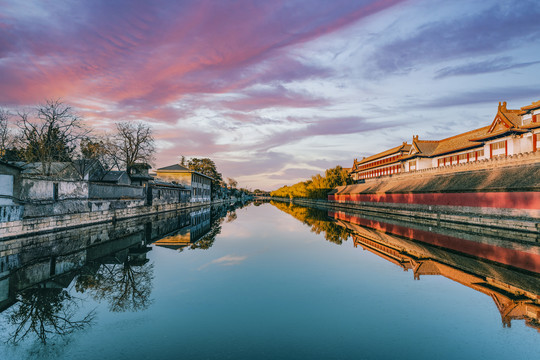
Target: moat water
265, 281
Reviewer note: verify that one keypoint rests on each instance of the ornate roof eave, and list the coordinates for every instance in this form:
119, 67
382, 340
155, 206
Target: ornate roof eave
526, 109
499, 135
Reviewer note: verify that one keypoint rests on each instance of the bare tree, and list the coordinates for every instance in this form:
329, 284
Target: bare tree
127, 287
45, 312
4, 135
132, 143
50, 134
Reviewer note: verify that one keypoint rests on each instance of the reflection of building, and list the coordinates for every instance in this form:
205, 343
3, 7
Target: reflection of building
55, 259
511, 132
197, 226
515, 293
199, 184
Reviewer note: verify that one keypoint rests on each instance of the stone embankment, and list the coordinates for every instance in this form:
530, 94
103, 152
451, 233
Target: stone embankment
46, 224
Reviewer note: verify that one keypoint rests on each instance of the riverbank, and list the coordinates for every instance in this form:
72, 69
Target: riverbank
38, 225
517, 228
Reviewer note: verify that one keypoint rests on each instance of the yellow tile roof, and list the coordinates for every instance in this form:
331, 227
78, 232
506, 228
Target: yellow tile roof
528, 108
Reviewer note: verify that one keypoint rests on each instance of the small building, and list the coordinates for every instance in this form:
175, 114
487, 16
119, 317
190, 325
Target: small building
139, 174
199, 184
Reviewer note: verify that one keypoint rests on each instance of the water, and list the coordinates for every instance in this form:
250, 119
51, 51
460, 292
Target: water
261, 285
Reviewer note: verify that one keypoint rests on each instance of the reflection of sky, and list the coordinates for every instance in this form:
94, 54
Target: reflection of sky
274, 91
295, 295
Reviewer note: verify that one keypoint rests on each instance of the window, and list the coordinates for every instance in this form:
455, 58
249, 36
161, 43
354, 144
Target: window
55, 191
498, 145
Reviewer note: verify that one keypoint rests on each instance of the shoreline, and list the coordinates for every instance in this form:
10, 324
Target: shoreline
47, 224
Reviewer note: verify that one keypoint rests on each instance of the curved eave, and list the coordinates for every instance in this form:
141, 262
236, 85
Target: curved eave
499, 135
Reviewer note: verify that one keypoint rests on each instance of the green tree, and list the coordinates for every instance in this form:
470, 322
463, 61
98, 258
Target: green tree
317, 187
337, 177
207, 167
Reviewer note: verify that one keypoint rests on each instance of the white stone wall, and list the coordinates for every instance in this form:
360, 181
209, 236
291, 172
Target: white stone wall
33, 189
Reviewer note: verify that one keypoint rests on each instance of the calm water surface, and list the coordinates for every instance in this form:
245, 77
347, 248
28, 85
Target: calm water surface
266, 287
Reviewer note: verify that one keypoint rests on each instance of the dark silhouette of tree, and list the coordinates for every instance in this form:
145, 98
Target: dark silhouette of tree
124, 286
4, 132
50, 133
132, 143
45, 312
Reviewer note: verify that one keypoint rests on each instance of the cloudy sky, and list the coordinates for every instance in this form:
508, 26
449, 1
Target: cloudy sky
274, 91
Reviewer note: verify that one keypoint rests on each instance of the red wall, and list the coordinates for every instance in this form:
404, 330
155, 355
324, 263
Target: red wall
508, 200
516, 258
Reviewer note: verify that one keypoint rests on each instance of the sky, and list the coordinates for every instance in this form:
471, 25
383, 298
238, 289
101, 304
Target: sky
273, 91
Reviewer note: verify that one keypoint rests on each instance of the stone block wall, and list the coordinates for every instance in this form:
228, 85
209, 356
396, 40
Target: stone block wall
161, 195
10, 212
66, 221
113, 191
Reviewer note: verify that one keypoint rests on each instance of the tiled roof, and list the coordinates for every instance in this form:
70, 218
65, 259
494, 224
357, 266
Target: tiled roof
180, 169
500, 133
528, 108
403, 147
459, 142
431, 148
37, 168
175, 167
113, 176
426, 147
531, 125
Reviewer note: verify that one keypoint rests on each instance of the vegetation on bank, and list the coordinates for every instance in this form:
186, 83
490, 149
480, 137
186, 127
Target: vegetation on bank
317, 220
317, 187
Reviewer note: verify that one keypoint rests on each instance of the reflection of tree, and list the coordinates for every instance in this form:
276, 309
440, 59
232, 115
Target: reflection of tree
231, 216
317, 219
207, 240
44, 312
124, 286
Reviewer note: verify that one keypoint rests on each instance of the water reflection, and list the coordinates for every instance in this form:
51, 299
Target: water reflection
107, 263
41, 312
317, 220
505, 270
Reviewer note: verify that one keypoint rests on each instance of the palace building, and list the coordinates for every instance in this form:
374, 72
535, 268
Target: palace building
511, 132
